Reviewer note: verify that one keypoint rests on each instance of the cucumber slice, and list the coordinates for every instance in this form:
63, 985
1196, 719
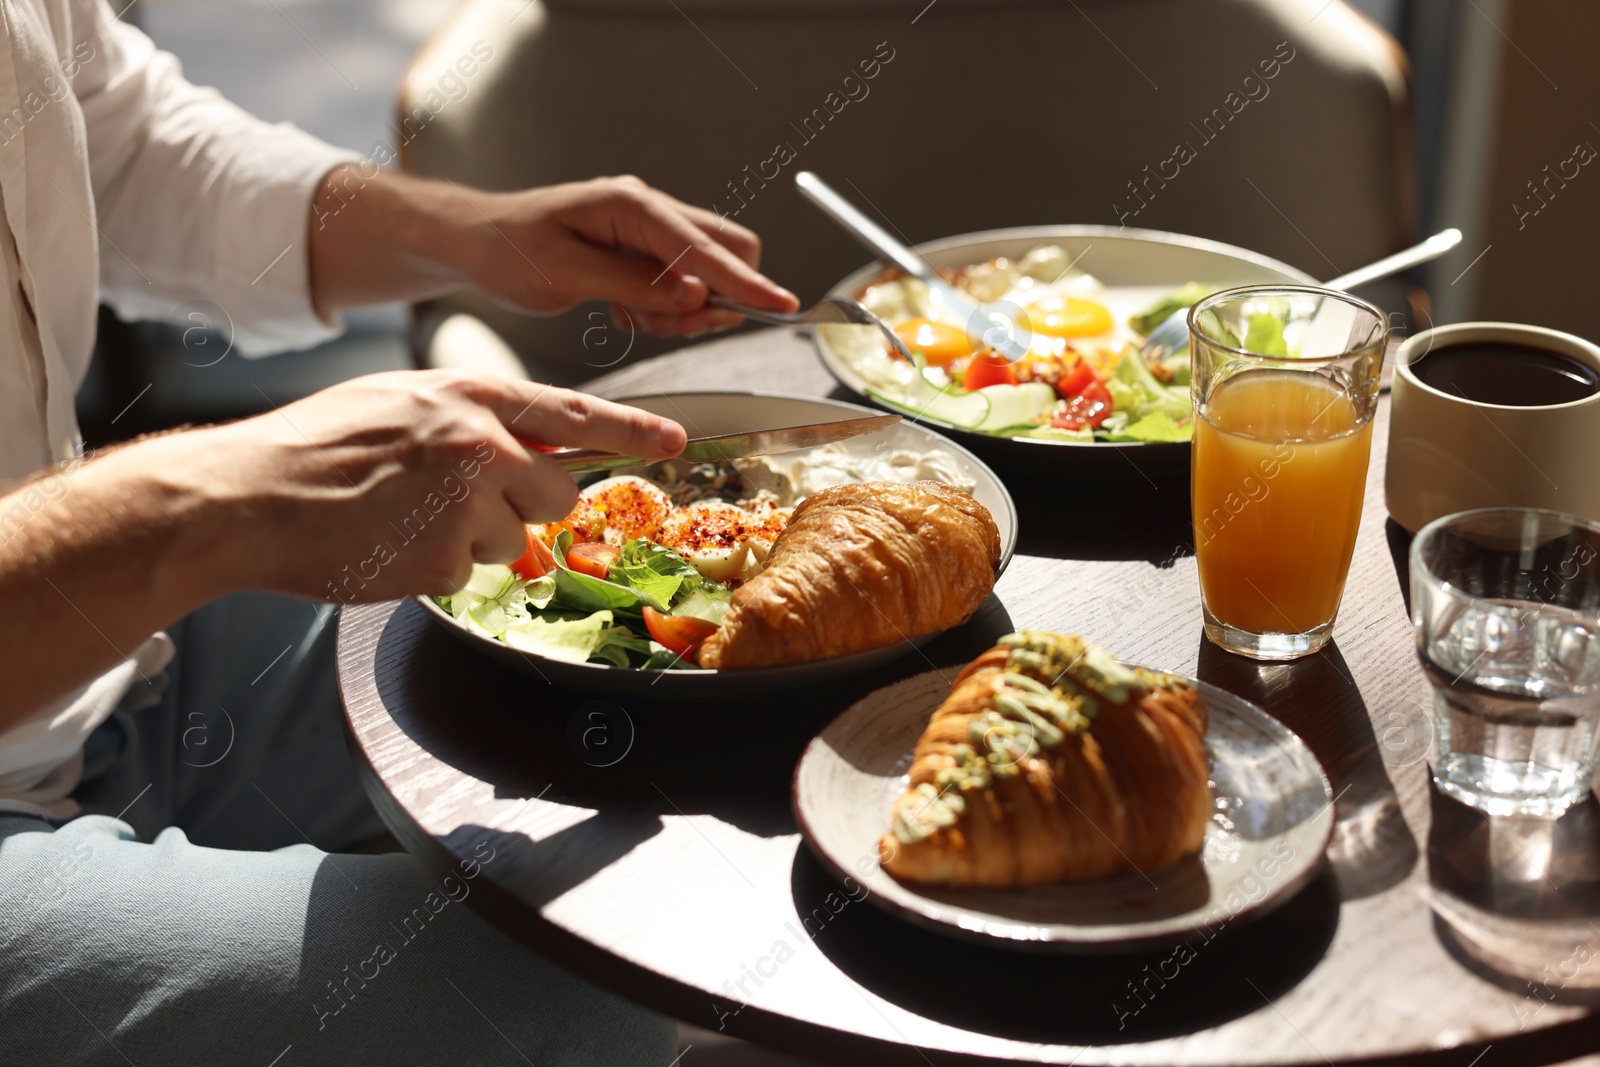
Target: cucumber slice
1039, 398
457, 604
487, 617
490, 580
966, 410
1005, 407
988, 410
1016, 405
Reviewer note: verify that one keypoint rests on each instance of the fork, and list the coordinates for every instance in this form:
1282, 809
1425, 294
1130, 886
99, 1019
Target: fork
828, 309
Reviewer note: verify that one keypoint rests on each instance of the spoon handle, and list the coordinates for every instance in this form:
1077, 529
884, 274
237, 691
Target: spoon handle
1426, 252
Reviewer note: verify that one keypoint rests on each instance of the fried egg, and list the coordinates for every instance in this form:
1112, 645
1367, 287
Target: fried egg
940, 343
1067, 316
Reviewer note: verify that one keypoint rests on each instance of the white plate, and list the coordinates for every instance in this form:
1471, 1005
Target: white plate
1272, 822
1138, 266
710, 414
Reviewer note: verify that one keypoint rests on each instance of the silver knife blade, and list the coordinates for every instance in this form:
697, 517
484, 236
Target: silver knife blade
988, 325
724, 447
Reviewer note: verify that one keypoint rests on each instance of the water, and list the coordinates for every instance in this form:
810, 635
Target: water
1516, 705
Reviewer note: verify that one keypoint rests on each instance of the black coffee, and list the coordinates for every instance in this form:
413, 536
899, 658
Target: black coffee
1501, 372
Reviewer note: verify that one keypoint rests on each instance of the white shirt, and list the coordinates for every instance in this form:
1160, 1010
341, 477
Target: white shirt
121, 181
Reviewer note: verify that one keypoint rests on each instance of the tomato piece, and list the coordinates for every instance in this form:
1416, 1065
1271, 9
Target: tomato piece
986, 369
1097, 392
680, 634
593, 558
1090, 407
537, 561
1077, 379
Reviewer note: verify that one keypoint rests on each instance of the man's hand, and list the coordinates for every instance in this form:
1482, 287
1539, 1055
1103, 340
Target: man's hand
378, 488
617, 239
397, 483
654, 258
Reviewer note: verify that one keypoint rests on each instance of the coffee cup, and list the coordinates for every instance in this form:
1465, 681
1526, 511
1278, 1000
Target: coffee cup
1493, 414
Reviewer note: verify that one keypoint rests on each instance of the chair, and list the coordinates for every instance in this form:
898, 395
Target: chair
1270, 124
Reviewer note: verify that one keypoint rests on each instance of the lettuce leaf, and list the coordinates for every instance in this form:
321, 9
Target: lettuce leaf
657, 572
708, 602
568, 640
583, 592
1157, 313
621, 647
1156, 426
1134, 390
1264, 336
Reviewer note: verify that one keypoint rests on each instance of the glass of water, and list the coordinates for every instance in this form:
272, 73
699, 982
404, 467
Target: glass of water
1506, 606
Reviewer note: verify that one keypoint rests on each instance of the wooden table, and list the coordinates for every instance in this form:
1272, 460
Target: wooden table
651, 848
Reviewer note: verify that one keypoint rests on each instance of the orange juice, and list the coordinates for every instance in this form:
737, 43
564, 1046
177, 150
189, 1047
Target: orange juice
1280, 464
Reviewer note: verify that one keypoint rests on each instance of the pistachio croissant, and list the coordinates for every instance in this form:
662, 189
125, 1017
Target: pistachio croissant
860, 567
1051, 761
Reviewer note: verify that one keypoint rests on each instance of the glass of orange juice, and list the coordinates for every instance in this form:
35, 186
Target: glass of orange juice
1285, 384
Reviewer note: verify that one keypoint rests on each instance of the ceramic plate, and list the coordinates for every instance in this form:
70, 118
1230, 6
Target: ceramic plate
1272, 821
1138, 266
707, 414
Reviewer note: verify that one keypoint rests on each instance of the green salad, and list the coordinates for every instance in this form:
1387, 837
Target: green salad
645, 607
1106, 395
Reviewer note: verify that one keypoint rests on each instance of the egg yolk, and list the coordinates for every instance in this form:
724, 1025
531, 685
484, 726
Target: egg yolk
1067, 316
939, 344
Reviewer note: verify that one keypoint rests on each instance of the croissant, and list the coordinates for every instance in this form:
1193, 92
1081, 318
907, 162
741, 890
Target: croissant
860, 567
1051, 761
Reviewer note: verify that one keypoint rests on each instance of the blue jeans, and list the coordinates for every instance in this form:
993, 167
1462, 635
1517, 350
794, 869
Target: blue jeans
200, 912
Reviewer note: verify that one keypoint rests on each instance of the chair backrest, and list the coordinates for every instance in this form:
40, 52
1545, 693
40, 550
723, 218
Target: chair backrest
1278, 125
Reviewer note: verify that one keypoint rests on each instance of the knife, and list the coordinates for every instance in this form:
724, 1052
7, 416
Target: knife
987, 325
724, 447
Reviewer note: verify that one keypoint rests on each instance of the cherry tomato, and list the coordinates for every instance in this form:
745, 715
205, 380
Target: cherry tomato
988, 368
537, 561
593, 558
1090, 408
1077, 379
681, 634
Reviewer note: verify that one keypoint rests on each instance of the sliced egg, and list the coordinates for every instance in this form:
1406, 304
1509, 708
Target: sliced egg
763, 530
631, 507
585, 521
711, 535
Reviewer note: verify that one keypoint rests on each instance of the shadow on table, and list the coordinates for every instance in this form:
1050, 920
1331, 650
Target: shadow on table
1052, 998
1400, 553
527, 737
1517, 900
1372, 849
546, 869
1133, 518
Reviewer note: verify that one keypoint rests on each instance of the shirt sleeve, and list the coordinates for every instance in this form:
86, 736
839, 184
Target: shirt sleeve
196, 198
